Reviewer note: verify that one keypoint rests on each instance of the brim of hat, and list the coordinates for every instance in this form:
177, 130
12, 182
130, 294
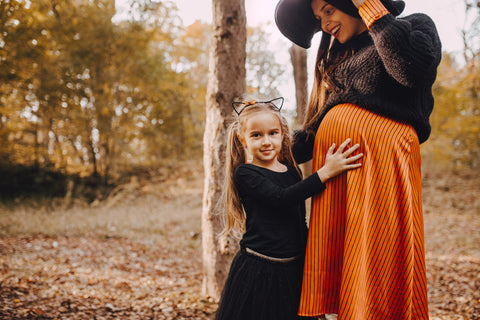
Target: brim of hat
295, 20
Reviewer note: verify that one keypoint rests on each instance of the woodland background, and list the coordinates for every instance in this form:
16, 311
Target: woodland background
101, 126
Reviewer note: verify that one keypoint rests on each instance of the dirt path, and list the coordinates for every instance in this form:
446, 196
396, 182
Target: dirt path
152, 272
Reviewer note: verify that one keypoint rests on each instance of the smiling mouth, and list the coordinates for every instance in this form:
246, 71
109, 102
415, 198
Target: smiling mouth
335, 30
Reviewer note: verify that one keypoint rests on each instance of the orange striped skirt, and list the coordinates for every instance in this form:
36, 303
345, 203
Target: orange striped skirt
365, 257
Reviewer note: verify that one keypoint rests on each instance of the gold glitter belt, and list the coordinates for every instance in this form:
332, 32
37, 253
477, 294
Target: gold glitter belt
250, 251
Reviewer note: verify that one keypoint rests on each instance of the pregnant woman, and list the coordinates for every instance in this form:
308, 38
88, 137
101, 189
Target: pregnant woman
365, 256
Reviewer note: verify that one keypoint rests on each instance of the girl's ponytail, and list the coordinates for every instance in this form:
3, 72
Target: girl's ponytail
235, 216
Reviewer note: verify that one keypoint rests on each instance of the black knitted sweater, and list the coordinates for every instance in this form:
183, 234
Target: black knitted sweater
391, 73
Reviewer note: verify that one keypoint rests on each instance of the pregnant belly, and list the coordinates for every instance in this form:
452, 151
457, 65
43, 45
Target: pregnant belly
377, 135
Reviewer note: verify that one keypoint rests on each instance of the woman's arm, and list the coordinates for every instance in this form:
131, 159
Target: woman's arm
302, 146
409, 47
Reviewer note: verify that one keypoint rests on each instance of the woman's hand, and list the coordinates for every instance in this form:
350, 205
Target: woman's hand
339, 161
358, 3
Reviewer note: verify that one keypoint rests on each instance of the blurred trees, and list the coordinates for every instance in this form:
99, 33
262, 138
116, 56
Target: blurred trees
455, 119
264, 73
83, 92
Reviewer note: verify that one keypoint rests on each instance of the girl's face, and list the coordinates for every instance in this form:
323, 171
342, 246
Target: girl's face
336, 22
263, 138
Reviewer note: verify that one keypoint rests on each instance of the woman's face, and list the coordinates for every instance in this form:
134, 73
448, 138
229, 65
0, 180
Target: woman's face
336, 22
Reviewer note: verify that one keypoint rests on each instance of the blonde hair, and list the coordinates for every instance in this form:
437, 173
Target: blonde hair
234, 217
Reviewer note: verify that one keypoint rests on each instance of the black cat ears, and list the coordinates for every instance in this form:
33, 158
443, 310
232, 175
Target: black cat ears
239, 106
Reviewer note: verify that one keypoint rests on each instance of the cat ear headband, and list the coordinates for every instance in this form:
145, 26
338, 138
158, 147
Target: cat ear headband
239, 106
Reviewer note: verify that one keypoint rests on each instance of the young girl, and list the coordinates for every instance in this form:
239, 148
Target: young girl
265, 202
365, 256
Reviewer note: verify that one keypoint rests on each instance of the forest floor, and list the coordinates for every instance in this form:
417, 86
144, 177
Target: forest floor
137, 255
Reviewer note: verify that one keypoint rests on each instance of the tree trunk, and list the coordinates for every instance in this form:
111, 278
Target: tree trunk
93, 154
226, 82
298, 56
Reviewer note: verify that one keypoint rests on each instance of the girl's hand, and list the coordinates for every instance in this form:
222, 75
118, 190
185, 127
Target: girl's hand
339, 161
358, 3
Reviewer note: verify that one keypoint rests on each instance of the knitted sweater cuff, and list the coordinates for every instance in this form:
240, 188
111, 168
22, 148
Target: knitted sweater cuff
371, 11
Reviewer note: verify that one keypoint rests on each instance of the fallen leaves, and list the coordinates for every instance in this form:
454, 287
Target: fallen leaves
83, 278
452, 239
144, 262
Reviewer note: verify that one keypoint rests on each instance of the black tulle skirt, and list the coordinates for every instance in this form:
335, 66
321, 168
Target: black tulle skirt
258, 288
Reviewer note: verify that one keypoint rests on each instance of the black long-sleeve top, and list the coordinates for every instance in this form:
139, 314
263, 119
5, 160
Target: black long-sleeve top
391, 73
274, 204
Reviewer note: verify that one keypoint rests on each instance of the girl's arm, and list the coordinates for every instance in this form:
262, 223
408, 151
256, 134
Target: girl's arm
252, 183
409, 47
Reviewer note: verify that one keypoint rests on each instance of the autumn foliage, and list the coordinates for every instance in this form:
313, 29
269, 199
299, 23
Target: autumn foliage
101, 180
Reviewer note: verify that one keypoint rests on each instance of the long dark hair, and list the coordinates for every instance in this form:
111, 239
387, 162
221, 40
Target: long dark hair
330, 54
